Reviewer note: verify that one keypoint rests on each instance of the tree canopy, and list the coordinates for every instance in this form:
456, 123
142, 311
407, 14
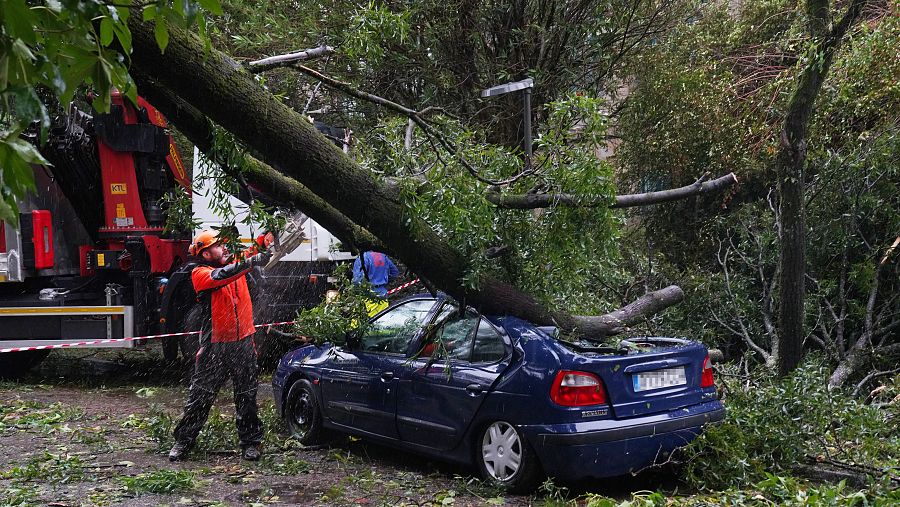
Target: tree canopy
679, 93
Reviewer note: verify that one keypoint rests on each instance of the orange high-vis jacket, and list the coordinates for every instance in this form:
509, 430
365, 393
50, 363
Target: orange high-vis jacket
230, 304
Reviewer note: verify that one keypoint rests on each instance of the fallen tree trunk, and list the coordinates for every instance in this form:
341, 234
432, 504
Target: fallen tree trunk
820, 468
290, 144
199, 130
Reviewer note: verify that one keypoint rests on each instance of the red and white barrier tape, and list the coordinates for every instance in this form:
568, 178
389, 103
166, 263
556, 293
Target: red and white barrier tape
120, 340
154, 336
405, 285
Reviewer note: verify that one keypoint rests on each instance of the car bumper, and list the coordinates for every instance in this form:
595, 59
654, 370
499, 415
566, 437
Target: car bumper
278, 379
609, 448
277, 393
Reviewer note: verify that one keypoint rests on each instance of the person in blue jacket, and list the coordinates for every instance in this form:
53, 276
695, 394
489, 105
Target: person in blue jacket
376, 267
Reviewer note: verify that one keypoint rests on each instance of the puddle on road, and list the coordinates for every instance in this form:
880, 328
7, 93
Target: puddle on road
281, 493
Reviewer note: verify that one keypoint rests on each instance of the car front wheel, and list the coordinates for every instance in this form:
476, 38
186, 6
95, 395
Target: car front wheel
506, 460
303, 415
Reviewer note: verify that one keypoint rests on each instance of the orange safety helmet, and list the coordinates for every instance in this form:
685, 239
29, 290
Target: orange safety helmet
203, 240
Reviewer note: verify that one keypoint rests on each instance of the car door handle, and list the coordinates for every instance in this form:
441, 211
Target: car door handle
387, 376
474, 389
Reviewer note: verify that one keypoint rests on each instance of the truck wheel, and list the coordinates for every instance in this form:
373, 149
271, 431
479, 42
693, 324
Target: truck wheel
190, 344
170, 349
15, 364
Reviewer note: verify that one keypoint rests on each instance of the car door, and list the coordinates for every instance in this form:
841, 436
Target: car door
358, 385
448, 377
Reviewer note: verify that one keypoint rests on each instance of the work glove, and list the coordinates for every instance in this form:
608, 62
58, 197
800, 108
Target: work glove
262, 258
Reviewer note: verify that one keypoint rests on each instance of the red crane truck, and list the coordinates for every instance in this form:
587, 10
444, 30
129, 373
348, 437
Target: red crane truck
90, 258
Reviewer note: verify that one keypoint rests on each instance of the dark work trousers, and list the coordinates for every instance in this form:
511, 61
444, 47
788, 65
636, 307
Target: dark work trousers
215, 363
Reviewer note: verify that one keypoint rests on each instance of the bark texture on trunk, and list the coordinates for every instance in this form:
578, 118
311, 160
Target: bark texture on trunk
291, 145
199, 130
790, 165
792, 239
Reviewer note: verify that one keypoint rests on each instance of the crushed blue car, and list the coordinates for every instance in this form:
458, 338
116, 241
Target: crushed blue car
500, 393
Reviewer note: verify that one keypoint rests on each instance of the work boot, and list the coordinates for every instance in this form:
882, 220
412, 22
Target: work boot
252, 452
179, 451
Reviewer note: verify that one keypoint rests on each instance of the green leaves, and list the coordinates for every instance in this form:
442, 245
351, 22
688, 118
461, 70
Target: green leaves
331, 321
560, 253
123, 34
161, 482
16, 155
161, 33
765, 416
62, 47
18, 20
181, 13
212, 6
106, 31
375, 28
179, 212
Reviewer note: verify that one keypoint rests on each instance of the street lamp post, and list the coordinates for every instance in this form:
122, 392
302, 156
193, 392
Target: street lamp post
525, 86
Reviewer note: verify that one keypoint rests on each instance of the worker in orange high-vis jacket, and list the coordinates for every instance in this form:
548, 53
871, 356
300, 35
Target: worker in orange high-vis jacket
226, 348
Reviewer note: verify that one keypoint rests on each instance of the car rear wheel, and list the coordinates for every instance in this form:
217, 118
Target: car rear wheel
506, 460
303, 415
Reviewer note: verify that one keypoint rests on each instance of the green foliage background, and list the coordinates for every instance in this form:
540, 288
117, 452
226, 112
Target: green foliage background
773, 426
711, 97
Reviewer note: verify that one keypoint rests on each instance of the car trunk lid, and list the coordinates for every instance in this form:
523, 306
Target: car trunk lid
647, 375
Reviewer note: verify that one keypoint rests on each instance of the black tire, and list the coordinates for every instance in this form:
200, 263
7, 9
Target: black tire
505, 459
190, 344
170, 349
303, 414
16, 364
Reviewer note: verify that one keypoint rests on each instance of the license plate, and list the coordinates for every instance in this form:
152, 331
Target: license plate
659, 379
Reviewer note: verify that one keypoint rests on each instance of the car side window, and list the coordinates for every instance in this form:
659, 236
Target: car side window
392, 331
489, 346
453, 338
468, 337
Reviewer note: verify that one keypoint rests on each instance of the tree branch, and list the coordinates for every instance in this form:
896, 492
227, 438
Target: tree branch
744, 332
889, 252
864, 347
532, 201
618, 321
414, 116
274, 62
870, 377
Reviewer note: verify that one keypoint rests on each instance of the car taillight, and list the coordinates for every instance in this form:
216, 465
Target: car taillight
706, 378
577, 388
